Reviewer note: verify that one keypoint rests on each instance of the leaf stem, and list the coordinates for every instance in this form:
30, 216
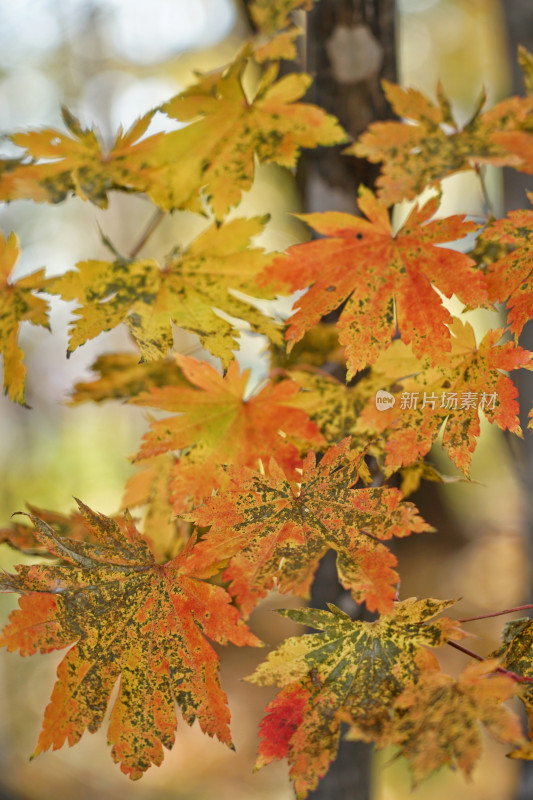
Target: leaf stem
145, 235
489, 210
514, 675
498, 613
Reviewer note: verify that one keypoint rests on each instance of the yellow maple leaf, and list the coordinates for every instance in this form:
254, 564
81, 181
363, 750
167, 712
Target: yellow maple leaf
17, 304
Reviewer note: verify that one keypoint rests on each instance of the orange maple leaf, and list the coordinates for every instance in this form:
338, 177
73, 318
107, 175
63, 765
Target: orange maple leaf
437, 721
60, 165
215, 425
387, 281
452, 395
432, 145
275, 534
510, 278
124, 615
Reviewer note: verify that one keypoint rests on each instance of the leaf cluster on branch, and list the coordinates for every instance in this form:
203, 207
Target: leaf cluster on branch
240, 491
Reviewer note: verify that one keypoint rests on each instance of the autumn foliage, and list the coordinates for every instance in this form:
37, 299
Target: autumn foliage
239, 489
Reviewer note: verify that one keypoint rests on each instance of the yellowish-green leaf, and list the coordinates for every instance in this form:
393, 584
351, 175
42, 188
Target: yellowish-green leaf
354, 669
187, 290
122, 376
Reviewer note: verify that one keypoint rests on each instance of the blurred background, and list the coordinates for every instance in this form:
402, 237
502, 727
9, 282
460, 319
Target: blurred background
109, 61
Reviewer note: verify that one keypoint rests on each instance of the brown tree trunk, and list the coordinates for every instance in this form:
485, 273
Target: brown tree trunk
350, 47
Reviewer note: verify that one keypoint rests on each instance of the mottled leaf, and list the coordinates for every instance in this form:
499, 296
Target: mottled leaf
56, 165
516, 654
453, 395
437, 721
275, 533
510, 278
127, 617
188, 290
387, 282
430, 144
217, 151
354, 669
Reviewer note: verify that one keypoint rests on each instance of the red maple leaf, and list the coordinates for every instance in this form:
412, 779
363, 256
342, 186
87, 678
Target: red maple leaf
386, 281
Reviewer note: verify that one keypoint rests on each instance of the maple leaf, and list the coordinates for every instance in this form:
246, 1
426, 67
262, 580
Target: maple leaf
276, 534
61, 164
17, 304
515, 654
510, 278
334, 406
454, 396
271, 16
215, 425
281, 46
124, 615
22, 536
437, 720
122, 376
386, 281
431, 145
150, 488
218, 150
350, 668
189, 288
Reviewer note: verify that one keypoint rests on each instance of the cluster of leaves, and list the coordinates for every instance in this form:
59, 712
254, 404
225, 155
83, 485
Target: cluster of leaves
241, 491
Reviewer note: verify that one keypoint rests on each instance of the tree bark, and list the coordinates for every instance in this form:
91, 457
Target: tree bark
350, 47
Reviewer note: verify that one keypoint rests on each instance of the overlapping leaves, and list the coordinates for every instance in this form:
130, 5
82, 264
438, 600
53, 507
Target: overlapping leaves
453, 395
354, 669
215, 424
125, 616
431, 145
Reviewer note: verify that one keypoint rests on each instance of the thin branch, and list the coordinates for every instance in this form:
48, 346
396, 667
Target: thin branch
150, 228
514, 675
498, 613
